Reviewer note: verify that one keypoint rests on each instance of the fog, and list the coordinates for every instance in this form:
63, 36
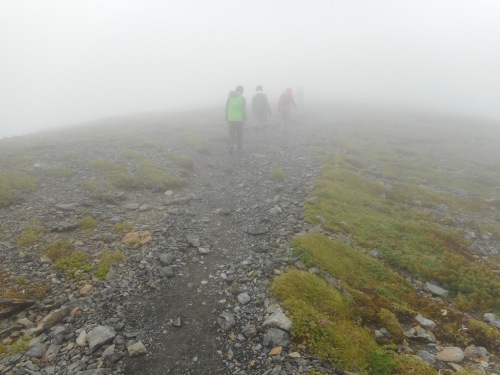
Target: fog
65, 62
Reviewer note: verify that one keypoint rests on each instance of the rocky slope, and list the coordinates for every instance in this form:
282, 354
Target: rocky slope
193, 297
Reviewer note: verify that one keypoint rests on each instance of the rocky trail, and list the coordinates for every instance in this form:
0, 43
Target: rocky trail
194, 299
191, 295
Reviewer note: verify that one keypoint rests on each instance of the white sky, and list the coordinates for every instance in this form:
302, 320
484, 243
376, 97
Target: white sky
68, 61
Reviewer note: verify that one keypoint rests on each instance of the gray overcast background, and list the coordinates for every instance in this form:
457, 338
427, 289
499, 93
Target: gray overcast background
70, 61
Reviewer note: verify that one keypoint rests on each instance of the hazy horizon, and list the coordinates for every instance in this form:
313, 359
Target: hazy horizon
71, 62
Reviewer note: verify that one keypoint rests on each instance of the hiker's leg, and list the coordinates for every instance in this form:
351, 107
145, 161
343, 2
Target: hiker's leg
232, 136
239, 136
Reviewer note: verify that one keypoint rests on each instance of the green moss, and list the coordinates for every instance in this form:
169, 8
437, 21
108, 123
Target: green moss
181, 160
14, 286
31, 234
60, 172
107, 259
345, 263
322, 322
484, 334
88, 223
73, 155
11, 184
407, 364
198, 144
123, 226
20, 345
276, 174
90, 184
409, 240
117, 174
131, 154
389, 321
153, 176
57, 250
74, 262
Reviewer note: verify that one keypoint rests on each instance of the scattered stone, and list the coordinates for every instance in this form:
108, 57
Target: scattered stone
257, 230
276, 337
136, 349
421, 334
243, 298
275, 351
82, 338
193, 240
99, 336
52, 319
226, 320
450, 354
436, 290
249, 331
137, 238
492, 319
424, 322
278, 320
166, 259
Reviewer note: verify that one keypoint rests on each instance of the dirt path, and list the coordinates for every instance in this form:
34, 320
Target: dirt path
232, 194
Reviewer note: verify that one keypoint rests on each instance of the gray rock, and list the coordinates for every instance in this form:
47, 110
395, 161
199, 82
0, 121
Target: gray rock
427, 357
166, 259
257, 230
167, 272
131, 206
492, 319
52, 319
249, 331
100, 336
278, 320
136, 349
193, 240
36, 351
450, 354
421, 334
275, 336
243, 298
436, 290
52, 352
476, 353
108, 352
97, 371
226, 320
424, 322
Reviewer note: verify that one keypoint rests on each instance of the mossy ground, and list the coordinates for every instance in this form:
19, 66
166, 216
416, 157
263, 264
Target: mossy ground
401, 195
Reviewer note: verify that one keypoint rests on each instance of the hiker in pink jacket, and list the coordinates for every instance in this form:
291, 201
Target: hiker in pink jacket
285, 105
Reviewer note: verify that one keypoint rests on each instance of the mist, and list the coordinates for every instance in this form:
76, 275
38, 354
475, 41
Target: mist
67, 62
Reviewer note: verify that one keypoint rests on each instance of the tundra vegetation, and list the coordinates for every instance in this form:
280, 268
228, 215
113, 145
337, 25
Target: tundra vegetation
410, 195
276, 174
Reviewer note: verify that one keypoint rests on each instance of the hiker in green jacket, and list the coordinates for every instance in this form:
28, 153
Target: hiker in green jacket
236, 115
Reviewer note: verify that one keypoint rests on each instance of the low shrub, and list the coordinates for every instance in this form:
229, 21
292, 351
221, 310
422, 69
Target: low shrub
60, 172
154, 177
276, 174
107, 259
88, 223
11, 183
123, 226
31, 234
181, 160
70, 261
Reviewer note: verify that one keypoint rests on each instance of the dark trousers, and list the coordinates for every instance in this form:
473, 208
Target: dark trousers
235, 136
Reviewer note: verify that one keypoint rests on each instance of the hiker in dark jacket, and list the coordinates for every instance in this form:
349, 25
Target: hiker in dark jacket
260, 106
236, 115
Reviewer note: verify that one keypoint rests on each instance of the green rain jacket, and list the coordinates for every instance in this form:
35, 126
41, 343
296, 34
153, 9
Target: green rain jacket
236, 108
